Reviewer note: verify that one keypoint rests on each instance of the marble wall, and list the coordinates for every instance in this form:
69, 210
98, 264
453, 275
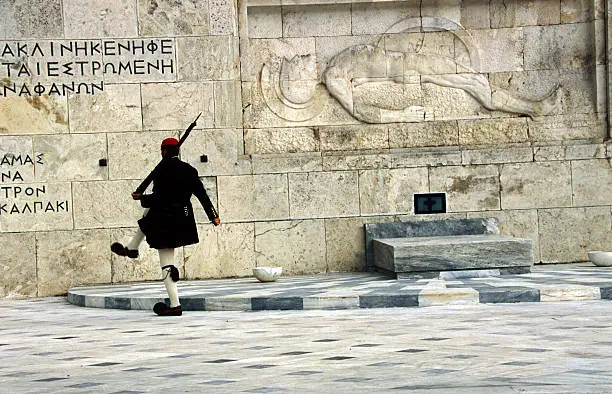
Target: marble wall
317, 117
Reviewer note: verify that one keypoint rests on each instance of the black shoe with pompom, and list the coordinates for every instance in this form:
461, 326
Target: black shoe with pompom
121, 250
161, 309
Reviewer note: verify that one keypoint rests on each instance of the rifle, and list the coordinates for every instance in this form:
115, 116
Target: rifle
147, 181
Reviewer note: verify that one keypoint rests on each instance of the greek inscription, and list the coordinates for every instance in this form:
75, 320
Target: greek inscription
17, 191
36, 196
54, 206
60, 67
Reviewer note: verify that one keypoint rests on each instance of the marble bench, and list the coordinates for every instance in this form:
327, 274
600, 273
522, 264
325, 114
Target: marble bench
426, 257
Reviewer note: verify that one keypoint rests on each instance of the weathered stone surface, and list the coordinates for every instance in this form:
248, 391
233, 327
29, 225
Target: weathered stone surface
447, 9
601, 88
33, 115
467, 188
261, 51
494, 155
345, 241
576, 11
223, 147
253, 197
290, 245
223, 17
443, 103
400, 158
258, 114
281, 140
569, 152
475, 14
567, 234
591, 182
501, 49
331, 302
207, 58
567, 127
435, 48
493, 131
283, 162
600, 48
585, 151
457, 252
524, 13
134, 155
99, 18
105, 204
71, 157
175, 106
444, 296
265, 22
71, 258
521, 223
559, 47
36, 207
577, 96
228, 104
18, 265
324, 20
536, 185
557, 293
395, 158
390, 191
377, 18
31, 19
387, 102
408, 135
145, 267
323, 194
354, 137
17, 159
169, 18
328, 47
117, 108
224, 251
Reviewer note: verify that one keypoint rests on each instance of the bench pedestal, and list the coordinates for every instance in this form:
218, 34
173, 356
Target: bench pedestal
427, 257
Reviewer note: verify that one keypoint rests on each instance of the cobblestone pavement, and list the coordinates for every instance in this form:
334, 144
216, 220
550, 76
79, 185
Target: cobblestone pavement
49, 345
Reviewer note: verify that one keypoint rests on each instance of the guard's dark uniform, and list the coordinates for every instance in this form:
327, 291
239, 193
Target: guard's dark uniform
170, 222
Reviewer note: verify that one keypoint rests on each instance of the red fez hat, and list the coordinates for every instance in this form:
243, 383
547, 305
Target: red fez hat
169, 142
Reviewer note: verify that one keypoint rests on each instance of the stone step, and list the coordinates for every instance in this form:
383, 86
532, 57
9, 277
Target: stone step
418, 255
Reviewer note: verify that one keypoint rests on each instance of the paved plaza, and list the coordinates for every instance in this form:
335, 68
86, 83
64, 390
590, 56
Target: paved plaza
51, 346
546, 283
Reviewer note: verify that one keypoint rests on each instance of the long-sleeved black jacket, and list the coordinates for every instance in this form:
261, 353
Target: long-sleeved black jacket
170, 222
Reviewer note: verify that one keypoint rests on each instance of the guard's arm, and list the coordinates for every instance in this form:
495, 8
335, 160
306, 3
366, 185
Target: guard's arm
202, 196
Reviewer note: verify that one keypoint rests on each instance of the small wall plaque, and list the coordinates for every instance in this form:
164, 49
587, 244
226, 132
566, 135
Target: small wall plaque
428, 203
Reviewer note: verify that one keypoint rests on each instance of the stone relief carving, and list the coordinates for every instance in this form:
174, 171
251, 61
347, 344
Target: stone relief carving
379, 85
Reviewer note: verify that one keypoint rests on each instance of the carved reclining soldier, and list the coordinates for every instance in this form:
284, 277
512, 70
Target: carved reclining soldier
362, 64
169, 222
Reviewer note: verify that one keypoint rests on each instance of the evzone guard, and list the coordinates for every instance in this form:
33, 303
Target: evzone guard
168, 220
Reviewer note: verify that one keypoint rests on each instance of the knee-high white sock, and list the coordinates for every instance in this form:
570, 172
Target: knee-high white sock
166, 257
138, 236
136, 240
